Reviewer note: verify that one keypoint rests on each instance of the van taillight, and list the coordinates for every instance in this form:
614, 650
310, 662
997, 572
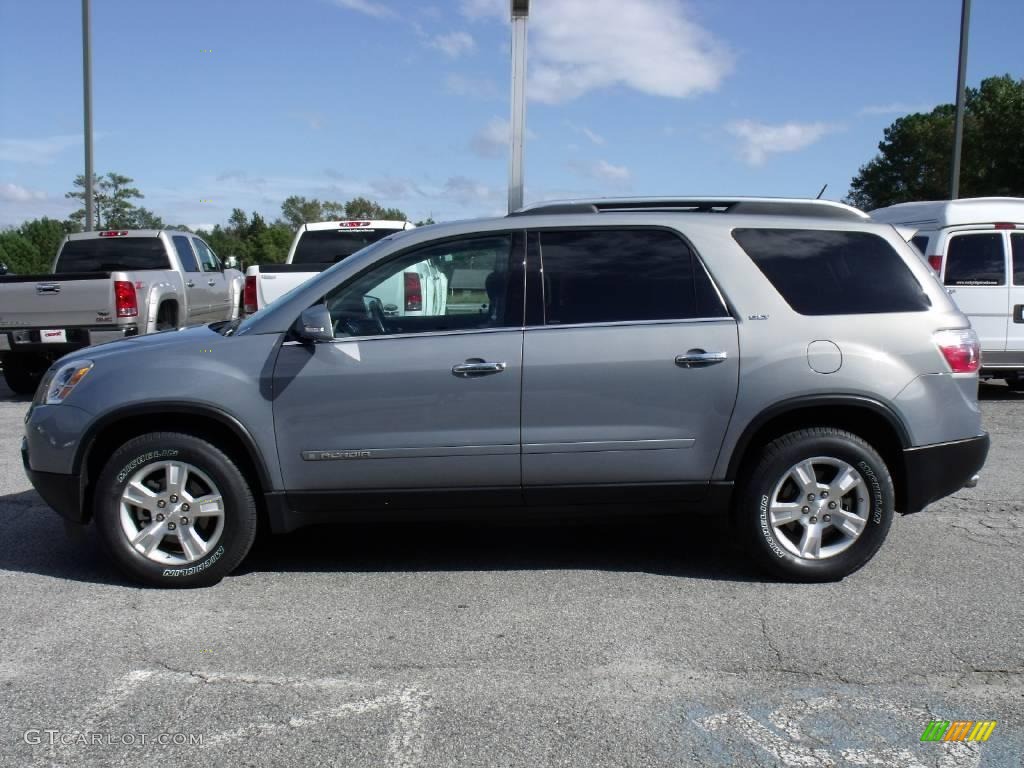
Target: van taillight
249, 300
935, 262
413, 292
126, 303
961, 349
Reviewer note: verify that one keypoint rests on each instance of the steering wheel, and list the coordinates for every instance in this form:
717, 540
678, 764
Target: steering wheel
377, 314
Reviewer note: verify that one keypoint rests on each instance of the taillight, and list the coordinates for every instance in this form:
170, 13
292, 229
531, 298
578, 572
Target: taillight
413, 292
961, 349
124, 299
249, 299
935, 262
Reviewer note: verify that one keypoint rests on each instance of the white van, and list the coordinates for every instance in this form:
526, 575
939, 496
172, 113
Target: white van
976, 246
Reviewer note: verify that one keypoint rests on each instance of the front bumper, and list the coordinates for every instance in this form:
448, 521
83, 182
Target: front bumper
64, 493
932, 472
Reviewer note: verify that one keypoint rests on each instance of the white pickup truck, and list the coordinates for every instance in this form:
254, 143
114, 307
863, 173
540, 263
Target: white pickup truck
420, 290
109, 285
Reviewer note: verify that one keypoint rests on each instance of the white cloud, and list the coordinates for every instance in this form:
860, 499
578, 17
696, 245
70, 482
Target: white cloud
895, 108
12, 193
454, 44
370, 8
758, 140
601, 170
577, 46
37, 151
479, 88
493, 139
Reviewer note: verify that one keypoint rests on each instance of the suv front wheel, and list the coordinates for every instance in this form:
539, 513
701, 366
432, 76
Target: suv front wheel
174, 510
817, 505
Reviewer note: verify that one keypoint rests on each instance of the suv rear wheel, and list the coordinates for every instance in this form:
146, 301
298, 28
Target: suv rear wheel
174, 510
817, 505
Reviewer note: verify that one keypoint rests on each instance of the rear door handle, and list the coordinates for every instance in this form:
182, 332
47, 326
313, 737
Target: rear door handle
1018, 313
190, 284
475, 367
211, 283
698, 358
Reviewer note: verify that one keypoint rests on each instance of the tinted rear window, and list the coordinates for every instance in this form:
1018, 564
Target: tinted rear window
112, 254
976, 260
605, 275
820, 272
1017, 241
329, 246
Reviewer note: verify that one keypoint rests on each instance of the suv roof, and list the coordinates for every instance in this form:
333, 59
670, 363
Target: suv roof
764, 206
937, 214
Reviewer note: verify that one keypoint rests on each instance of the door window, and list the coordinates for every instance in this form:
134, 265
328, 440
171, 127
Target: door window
608, 276
976, 260
921, 243
185, 254
207, 257
1017, 243
451, 286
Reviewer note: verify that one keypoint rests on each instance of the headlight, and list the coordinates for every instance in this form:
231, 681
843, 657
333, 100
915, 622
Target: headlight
65, 379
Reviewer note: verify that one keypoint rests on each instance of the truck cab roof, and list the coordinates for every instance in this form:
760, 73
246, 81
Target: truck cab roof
939, 214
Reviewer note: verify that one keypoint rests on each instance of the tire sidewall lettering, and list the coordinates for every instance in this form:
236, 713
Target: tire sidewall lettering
144, 458
877, 496
198, 567
766, 529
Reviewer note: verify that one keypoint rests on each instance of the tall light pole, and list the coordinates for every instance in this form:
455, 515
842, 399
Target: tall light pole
520, 13
961, 100
87, 99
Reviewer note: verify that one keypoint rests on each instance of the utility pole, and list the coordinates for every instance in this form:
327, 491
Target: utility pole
961, 100
520, 12
87, 98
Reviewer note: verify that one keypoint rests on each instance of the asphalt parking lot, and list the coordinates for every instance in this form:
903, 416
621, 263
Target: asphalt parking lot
601, 644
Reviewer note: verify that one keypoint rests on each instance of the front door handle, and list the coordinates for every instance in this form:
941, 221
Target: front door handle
698, 358
475, 367
190, 284
211, 283
1018, 313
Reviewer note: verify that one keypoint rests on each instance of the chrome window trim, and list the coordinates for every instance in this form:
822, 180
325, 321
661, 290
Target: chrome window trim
518, 329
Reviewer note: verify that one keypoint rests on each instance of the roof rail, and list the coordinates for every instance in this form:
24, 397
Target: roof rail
761, 206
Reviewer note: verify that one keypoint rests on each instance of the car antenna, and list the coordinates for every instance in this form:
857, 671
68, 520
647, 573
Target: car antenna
822, 192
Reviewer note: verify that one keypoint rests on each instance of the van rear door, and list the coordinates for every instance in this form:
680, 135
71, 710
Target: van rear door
1015, 323
975, 274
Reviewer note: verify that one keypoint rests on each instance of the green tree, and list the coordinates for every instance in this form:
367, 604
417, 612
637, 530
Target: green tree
46, 235
296, 211
21, 255
112, 198
915, 155
361, 208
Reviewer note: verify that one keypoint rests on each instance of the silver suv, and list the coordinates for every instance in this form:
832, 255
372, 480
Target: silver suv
787, 362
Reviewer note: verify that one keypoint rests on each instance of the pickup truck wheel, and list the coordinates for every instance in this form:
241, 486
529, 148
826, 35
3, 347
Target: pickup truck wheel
174, 510
166, 319
817, 505
22, 373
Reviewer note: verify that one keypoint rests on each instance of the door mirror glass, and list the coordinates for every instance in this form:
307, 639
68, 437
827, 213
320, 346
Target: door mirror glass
314, 324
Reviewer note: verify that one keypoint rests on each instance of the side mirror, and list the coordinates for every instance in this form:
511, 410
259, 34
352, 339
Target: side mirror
314, 324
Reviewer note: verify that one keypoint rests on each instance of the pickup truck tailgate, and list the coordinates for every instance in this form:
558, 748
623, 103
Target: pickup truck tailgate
56, 301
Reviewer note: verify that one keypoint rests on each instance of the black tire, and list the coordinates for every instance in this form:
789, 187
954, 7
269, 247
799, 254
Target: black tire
240, 516
166, 319
771, 469
22, 373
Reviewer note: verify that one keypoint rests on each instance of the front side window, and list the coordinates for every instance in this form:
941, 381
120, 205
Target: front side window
608, 276
825, 272
976, 260
207, 258
185, 254
458, 285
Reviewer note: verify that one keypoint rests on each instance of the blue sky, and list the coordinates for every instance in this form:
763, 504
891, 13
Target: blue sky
406, 102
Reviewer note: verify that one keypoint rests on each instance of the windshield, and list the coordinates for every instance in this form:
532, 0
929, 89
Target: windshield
329, 246
112, 254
